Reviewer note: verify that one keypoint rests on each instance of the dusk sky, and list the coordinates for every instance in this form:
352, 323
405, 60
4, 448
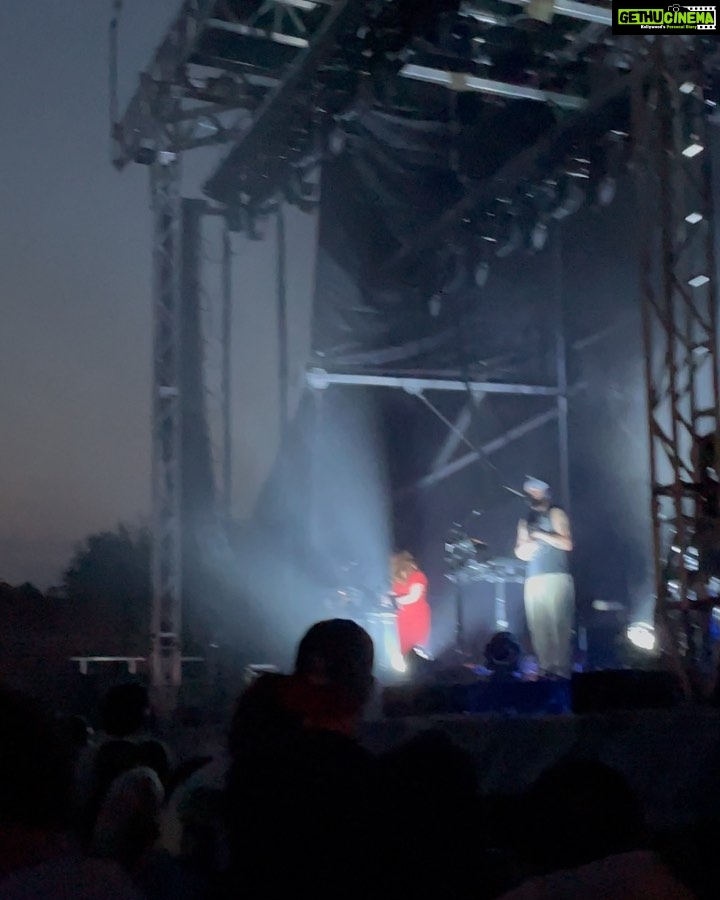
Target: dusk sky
75, 259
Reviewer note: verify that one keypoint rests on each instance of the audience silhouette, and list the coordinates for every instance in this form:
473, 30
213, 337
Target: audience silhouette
300, 805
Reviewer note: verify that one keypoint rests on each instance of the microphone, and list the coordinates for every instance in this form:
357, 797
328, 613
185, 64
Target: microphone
520, 494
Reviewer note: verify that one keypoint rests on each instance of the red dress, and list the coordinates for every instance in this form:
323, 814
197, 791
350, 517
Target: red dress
413, 619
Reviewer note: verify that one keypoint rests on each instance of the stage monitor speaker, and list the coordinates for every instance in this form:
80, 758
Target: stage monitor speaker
622, 689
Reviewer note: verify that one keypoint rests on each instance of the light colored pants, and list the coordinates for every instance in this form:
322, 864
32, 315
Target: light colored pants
550, 614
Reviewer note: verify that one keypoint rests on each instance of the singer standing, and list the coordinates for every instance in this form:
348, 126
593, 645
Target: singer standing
544, 542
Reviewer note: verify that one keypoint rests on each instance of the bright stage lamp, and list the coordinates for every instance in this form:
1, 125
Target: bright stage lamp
398, 663
605, 191
641, 635
693, 148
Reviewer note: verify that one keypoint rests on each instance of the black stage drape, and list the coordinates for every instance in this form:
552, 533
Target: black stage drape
396, 176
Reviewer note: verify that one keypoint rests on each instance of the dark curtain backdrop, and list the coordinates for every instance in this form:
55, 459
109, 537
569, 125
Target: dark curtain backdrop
396, 176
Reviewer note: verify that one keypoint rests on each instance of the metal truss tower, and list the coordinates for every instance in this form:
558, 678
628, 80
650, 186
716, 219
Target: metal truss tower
166, 620
679, 305
168, 114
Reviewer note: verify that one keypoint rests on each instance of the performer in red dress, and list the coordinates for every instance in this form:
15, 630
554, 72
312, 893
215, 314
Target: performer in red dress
409, 587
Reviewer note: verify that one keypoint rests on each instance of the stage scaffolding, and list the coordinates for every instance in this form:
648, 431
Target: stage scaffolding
166, 623
671, 117
262, 77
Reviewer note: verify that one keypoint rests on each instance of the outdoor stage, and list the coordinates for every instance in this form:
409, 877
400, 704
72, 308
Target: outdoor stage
670, 757
514, 275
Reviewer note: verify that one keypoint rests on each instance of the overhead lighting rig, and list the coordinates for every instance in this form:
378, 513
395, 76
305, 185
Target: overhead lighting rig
461, 47
520, 219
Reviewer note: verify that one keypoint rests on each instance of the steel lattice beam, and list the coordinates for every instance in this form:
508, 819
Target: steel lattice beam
679, 300
269, 127
464, 81
152, 104
585, 11
166, 624
319, 378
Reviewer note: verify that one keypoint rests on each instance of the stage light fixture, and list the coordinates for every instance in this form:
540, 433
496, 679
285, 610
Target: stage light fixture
337, 140
482, 270
535, 205
691, 559
482, 16
502, 654
539, 236
318, 379
511, 243
641, 635
606, 161
145, 156
693, 148
694, 218
605, 191
571, 198
419, 664
398, 664
698, 281
579, 167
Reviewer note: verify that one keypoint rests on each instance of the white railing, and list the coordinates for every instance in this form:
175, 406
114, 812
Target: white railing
131, 661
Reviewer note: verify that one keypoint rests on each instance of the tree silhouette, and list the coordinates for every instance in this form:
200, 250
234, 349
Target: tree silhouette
108, 583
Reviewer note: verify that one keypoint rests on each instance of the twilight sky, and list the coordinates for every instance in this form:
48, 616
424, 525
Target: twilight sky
75, 254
